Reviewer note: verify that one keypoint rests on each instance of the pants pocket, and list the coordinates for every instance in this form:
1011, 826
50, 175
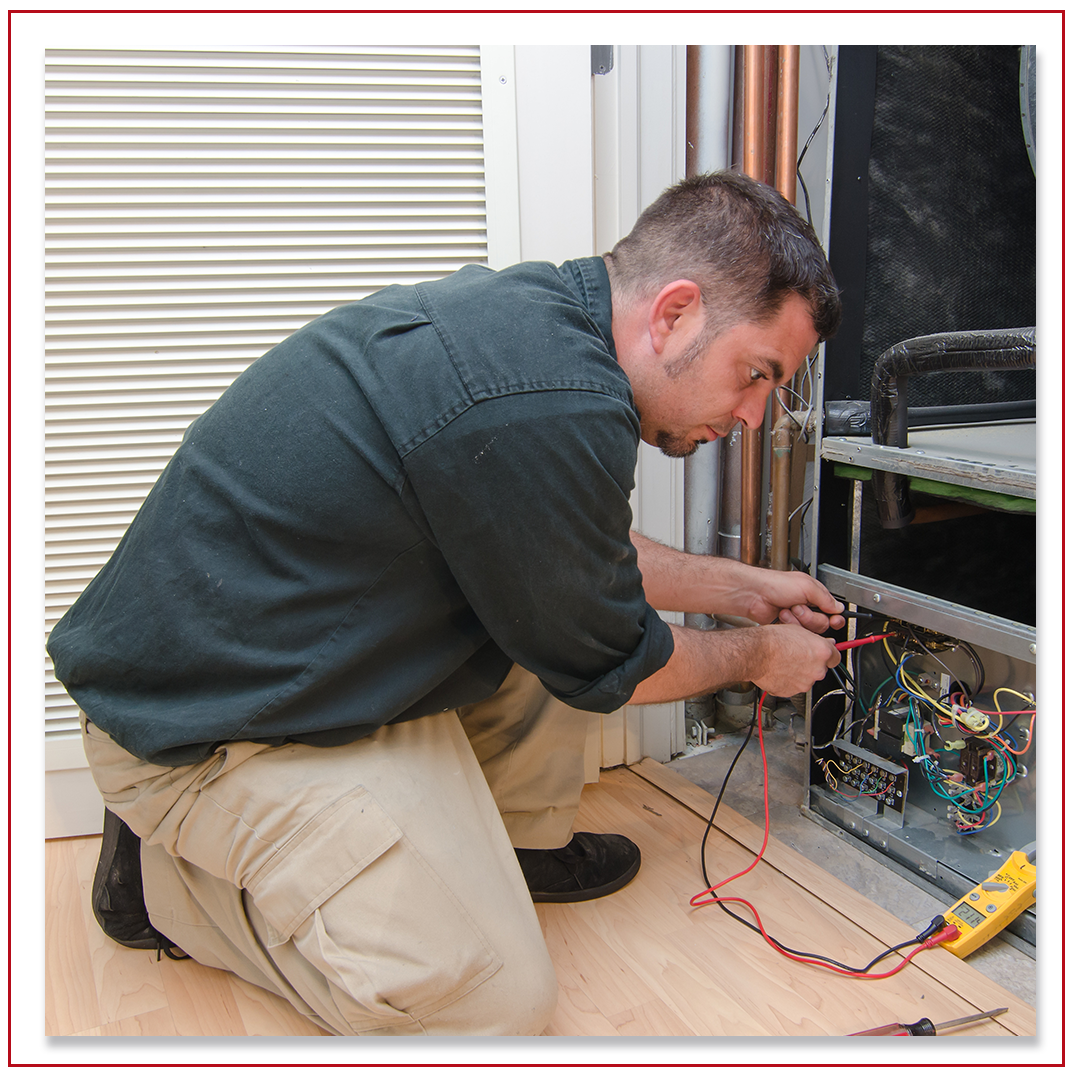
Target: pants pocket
356, 899
329, 851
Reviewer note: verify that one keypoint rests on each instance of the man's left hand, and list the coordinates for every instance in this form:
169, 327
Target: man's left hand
789, 596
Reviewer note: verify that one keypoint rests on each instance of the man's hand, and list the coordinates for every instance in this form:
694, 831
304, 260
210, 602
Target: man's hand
770, 595
677, 581
781, 659
789, 660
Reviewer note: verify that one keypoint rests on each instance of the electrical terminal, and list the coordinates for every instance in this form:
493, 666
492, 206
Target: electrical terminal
971, 718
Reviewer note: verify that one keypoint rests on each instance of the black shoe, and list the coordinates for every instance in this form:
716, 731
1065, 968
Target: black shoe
591, 865
117, 893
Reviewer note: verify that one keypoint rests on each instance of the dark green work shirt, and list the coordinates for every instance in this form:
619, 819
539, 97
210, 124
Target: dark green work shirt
375, 520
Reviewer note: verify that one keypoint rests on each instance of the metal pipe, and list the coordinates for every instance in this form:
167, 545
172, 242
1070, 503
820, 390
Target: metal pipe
731, 453
787, 125
731, 495
708, 142
783, 441
708, 149
787, 131
753, 150
754, 158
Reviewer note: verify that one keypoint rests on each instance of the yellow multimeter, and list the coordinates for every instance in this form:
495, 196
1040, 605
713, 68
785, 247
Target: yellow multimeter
992, 905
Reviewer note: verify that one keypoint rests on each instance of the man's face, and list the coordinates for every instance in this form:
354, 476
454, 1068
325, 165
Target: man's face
704, 391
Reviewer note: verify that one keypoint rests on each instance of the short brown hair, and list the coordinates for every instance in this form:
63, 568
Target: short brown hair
744, 245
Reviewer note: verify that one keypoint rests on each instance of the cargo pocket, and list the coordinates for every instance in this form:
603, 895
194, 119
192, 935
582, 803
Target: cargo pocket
329, 851
366, 909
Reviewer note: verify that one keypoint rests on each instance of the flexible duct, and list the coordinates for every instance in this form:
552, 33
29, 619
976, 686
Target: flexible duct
963, 350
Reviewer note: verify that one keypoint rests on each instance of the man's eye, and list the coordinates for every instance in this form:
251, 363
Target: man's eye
755, 375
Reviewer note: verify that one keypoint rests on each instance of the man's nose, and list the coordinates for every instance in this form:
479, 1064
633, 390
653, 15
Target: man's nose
751, 410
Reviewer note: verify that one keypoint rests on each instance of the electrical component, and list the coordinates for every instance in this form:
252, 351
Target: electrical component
991, 906
867, 774
924, 716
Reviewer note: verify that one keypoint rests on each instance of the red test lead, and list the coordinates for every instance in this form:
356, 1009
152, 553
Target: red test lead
842, 645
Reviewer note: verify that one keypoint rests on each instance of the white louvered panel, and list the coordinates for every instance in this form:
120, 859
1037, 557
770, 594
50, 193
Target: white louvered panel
200, 206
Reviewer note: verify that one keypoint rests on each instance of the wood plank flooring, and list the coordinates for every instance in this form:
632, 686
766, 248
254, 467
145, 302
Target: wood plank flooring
639, 963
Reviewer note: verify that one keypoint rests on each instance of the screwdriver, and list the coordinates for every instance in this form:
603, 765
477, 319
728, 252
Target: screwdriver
925, 1027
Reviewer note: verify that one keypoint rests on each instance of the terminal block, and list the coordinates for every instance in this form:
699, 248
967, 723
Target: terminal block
864, 773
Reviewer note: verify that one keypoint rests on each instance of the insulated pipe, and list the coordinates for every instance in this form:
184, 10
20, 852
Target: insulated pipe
961, 350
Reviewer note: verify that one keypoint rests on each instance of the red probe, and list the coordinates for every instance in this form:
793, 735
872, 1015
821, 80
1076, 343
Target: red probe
925, 1027
842, 645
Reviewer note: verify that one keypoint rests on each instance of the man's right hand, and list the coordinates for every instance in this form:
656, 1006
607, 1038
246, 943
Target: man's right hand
790, 659
782, 659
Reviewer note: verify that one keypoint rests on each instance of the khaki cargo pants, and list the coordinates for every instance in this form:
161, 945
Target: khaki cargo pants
373, 885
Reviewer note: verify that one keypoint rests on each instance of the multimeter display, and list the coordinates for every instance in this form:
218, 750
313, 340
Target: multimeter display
968, 914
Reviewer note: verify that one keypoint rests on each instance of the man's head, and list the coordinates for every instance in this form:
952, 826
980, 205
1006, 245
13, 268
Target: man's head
740, 241
719, 292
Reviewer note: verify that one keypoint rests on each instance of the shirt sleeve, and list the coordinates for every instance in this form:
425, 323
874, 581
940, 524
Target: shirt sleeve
527, 498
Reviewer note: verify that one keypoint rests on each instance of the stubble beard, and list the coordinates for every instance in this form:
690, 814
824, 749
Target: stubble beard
676, 446
668, 443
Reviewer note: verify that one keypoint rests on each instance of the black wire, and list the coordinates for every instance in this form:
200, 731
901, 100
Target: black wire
806, 146
977, 664
747, 923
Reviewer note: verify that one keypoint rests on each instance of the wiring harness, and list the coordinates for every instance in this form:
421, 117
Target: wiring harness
967, 752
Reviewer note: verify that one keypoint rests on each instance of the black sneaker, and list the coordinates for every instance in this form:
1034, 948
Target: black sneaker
117, 893
591, 865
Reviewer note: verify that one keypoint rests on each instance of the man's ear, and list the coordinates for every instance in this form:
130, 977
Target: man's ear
676, 315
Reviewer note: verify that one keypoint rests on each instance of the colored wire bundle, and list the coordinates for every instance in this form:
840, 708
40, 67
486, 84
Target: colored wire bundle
967, 754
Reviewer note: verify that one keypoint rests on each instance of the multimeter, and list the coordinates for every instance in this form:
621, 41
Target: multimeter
993, 904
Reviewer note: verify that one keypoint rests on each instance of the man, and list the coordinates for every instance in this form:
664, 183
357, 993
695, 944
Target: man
336, 673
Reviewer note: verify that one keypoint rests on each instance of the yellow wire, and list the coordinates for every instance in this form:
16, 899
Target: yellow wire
1009, 690
916, 691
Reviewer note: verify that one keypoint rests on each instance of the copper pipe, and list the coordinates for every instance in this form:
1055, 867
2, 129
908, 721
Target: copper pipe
753, 156
787, 130
787, 126
754, 164
769, 73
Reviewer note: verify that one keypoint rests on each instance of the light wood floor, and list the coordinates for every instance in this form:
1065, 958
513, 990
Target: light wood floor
640, 962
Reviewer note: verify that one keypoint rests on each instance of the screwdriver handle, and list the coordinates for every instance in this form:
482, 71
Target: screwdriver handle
920, 1027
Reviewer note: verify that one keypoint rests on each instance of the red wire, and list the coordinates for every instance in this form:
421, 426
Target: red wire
697, 901
820, 963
